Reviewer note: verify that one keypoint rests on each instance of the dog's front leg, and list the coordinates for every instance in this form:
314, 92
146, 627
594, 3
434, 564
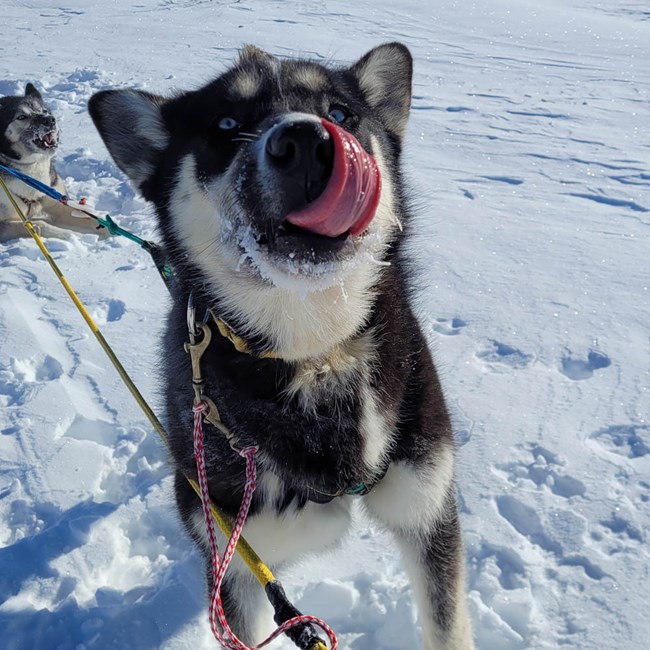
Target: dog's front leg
246, 608
63, 221
417, 503
281, 538
243, 599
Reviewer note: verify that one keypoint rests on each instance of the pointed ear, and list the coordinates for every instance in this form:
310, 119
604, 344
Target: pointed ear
384, 75
30, 91
132, 127
252, 53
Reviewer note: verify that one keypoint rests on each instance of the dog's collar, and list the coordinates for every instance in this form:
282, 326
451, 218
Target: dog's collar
8, 159
359, 489
240, 344
211, 414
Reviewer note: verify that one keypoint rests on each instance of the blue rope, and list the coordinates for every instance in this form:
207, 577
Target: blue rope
36, 184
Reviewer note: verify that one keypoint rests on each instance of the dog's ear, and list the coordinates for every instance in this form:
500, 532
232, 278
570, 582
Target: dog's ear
30, 91
252, 53
384, 75
132, 127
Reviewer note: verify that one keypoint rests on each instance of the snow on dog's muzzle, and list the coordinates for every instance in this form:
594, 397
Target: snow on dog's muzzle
350, 199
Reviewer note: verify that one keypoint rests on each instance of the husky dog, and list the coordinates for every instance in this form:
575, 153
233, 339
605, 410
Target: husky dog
29, 137
279, 196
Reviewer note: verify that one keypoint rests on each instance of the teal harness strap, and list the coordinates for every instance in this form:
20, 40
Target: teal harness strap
157, 253
359, 490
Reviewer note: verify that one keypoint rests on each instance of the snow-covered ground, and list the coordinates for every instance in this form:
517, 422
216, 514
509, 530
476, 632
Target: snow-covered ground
530, 146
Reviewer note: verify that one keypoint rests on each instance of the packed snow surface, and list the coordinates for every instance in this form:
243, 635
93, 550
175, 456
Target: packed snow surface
529, 150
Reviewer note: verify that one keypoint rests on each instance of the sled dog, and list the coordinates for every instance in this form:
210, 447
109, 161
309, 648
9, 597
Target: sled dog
280, 199
29, 138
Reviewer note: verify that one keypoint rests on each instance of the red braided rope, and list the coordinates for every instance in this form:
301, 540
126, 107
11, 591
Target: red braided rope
218, 622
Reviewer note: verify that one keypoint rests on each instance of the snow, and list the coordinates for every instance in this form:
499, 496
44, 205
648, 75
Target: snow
529, 146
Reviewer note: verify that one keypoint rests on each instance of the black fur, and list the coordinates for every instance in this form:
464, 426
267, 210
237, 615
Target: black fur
314, 453
317, 452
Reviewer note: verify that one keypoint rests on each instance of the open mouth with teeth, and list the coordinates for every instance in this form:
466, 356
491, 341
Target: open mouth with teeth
46, 141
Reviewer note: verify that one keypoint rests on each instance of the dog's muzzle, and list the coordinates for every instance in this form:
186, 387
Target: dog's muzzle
302, 153
327, 182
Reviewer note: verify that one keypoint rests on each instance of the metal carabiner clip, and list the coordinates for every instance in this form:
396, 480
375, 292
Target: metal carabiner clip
191, 319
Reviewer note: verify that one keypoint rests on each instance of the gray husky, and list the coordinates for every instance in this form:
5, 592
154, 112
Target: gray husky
280, 200
29, 138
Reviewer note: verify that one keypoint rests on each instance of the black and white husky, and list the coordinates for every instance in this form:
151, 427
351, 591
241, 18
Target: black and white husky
279, 196
29, 138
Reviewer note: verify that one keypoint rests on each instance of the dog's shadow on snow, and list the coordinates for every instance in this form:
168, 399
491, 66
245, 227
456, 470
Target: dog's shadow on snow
141, 618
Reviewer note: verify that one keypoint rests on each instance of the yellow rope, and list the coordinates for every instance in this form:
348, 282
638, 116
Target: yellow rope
255, 564
261, 572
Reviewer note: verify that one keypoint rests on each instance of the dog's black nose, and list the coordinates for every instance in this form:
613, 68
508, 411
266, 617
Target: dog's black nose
303, 154
48, 121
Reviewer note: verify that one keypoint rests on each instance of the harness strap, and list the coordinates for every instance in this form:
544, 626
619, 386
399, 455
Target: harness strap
28, 202
218, 622
240, 344
203, 333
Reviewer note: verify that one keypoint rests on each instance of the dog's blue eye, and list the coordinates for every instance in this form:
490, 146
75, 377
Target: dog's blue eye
22, 117
338, 114
228, 123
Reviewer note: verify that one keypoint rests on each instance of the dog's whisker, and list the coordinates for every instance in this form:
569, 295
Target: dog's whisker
378, 262
396, 220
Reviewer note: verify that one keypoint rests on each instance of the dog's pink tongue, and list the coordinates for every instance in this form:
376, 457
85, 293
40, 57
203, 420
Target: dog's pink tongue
350, 199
